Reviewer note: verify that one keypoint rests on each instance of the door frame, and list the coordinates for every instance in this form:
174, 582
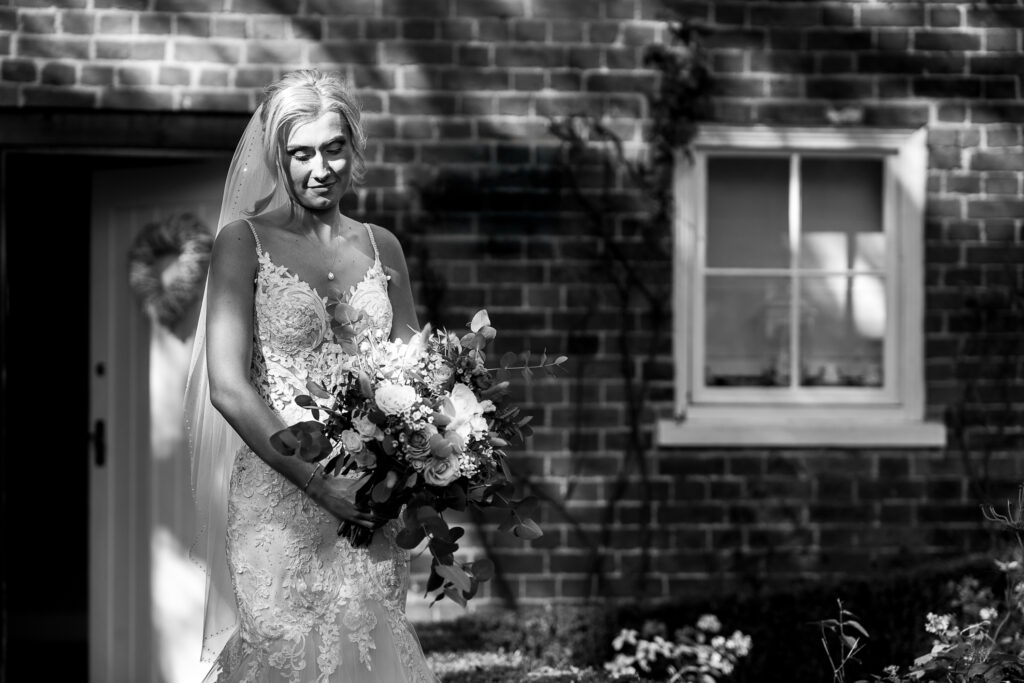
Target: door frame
157, 136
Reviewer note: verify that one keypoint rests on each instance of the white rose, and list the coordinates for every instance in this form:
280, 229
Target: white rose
395, 399
352, 441
465, 411
442, 471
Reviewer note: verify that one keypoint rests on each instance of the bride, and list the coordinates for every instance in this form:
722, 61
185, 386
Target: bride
287, 598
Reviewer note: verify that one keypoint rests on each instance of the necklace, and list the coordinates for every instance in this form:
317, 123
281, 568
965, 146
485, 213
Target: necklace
320, 249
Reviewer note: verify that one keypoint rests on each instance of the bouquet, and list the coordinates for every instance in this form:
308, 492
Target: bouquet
426, 422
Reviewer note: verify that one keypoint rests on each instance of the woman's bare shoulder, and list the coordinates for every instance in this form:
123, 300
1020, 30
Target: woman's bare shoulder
388, 243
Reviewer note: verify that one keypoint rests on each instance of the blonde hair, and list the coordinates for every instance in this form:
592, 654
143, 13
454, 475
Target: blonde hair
297, 98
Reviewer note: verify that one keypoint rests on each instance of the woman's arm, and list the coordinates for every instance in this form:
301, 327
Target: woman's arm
399, 288
229, 335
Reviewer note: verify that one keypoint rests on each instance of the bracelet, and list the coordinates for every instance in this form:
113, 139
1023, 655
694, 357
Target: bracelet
311, 475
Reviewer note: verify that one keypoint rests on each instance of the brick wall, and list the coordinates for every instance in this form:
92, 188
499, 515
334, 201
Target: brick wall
457, 95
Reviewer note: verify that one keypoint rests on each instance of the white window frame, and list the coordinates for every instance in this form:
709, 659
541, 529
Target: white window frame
892, 416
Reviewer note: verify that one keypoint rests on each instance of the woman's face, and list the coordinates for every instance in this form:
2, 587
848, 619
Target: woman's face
318, 157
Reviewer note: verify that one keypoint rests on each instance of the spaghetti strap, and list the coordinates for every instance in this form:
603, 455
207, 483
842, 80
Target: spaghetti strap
369, 231
259, 247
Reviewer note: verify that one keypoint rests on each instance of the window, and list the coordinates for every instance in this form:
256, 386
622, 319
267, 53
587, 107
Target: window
798, 289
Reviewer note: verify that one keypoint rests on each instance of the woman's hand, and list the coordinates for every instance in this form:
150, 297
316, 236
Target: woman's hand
337, 495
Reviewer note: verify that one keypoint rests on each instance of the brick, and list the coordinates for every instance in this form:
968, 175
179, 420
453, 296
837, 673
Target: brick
620, 9
42, 96
998, 112
744, 39
1001, 184
278, 7
729, 13
785, 16
1006, 89
529, 56
839, 88
946, 87
38, 22
176, 75
613, 82
839, 40
193, 25
343, 52
214, 78
416, 8
418, 53
136, 98
490, 8
727, 63
564, 80
603, 31
71, 21
995, 17
781, 62
621, 58
212, 51
995, 208
97, 75
584, 58
119, 4
1002, 40
1005, 136
791, 113
943, 40
228, 27
952, 113
837, 16
267, 52
214, 101
18, 70
566, 32
400, 104
911, 63
996, 65
891, 15
944, 17
130, 49
419, 29
115, 24
341, 7
567, 9
892, 40
529, 31
133, 76
177, 6
5, 44
150, 23
57, 47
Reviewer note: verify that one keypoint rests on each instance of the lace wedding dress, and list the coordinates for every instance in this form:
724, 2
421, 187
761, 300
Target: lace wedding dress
312, 608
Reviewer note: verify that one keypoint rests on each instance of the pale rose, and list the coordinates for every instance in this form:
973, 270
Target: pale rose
366, 428
466, 412
442, 374
417, 444
442, 471
395, 399
352, 441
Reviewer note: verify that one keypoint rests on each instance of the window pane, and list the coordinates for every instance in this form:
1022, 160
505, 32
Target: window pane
841, 214
748, 212
746, 333
842, 330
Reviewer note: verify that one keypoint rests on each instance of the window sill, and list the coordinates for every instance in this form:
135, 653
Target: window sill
800, 427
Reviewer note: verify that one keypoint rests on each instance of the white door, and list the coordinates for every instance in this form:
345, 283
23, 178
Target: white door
146, 598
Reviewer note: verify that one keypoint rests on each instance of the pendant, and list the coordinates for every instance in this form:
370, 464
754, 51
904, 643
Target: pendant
330, 275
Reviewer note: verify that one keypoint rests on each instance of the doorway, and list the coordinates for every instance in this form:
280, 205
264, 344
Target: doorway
96, 513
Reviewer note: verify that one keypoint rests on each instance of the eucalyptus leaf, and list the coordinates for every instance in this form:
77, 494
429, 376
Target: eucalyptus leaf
479, 320
434, 582
527, 530
455, 595
306, 401
317, 390
284, 442
483, 569
456, 575
410, 538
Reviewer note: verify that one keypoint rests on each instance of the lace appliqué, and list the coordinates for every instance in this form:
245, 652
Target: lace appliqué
306, 597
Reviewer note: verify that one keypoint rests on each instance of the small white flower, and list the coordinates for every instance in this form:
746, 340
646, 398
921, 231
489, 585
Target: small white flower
937, 624
709, 623
988, 613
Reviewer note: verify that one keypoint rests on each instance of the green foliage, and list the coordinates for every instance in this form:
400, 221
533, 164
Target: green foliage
783, 623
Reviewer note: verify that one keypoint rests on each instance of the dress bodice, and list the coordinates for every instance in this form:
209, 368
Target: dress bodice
293, 339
